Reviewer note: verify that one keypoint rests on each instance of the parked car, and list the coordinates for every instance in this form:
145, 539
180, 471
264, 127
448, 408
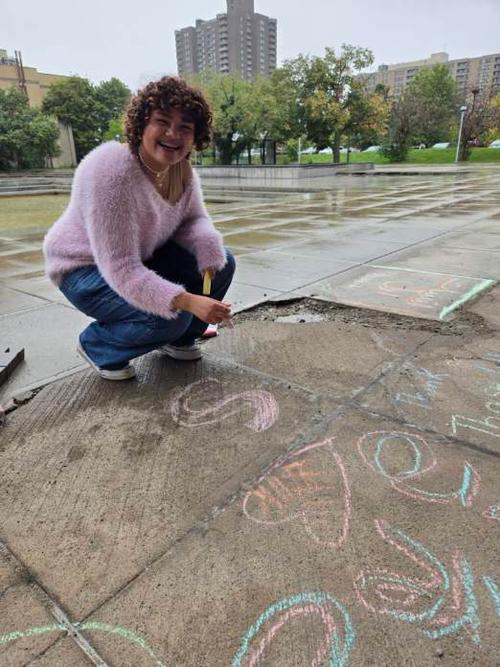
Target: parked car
308, 151
372, 149
495, 144
442, 145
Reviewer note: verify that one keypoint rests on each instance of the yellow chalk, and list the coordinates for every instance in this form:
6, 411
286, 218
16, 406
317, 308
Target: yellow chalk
207, 283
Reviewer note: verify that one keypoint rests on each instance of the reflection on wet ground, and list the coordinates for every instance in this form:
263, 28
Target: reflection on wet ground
416, 225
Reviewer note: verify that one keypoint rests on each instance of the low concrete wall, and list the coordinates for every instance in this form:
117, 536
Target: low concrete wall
273, 177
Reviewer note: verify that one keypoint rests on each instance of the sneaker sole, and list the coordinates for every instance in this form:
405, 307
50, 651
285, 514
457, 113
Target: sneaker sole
182, 355
123, 374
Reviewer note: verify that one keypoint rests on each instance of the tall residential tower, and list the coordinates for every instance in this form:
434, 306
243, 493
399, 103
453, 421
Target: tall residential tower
239, 41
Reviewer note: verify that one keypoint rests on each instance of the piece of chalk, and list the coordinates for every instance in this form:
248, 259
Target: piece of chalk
207, 283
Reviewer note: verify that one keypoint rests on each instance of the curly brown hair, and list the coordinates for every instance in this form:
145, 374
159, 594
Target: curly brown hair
169, 92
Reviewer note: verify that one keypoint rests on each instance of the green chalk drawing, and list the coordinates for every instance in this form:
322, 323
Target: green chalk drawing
339, 655
477, 289
494, 591
470, 617
89, 625
439, 619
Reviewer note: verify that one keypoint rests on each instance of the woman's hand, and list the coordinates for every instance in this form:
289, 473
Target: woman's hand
203, 307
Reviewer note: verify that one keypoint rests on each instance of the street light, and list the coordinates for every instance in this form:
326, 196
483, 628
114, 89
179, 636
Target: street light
462, 114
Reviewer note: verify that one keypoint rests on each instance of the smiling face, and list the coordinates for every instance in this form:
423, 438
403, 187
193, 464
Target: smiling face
167, 138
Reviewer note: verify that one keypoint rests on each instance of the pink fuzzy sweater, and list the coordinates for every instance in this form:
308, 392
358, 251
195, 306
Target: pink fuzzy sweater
116, 219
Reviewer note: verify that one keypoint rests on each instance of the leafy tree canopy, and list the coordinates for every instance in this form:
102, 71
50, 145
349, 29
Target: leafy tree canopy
27, 137
325, 92
87, 108
432, 95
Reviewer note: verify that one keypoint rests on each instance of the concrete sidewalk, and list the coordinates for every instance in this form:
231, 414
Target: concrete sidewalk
321, 493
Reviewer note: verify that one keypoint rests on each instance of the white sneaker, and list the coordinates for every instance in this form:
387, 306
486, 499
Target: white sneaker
125, 373
183, 352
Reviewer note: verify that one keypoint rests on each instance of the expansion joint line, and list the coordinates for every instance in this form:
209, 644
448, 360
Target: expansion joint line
55, 609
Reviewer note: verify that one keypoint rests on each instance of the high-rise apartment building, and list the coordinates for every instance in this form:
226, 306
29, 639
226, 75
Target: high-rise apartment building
239, 41
482, 73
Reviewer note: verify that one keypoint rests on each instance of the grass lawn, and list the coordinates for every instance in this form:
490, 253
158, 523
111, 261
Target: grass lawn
17, 213
424, 156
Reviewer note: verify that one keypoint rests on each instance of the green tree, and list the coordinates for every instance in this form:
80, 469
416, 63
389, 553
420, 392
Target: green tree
432, 94
74, 101
324, 92
398, 139
27, 137
481, 114
368, 117
115, 131
87, 108
114, 97
272, 111
233, 124
492, 130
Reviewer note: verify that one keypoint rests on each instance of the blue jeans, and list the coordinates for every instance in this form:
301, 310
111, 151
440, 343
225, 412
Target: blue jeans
122, 332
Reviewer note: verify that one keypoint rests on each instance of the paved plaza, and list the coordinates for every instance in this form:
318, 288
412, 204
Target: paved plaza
321, 489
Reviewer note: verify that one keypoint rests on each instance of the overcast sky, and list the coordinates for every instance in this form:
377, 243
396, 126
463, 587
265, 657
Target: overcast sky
135, 41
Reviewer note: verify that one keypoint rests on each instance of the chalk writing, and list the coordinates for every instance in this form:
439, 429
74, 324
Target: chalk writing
383, 449
430, 383
262, 403
88, 625
490, 424
335, 646
494, 591
424, 297
301, 488
422, 601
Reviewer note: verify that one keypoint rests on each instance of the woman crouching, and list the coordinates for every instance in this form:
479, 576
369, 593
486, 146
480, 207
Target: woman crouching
135, 241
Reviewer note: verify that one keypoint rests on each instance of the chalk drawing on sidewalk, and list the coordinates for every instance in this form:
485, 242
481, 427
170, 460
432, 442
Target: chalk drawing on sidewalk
489, 422
261, 403
494, 592
429, 384
338, 635
436, 293
423, 601
128, 635
302, 488
400, 457
493, 512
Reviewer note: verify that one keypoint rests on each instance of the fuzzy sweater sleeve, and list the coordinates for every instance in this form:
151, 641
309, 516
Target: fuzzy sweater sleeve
111, 219
197, 233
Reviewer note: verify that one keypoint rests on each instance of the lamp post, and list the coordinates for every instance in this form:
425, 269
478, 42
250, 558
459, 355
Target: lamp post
462, 114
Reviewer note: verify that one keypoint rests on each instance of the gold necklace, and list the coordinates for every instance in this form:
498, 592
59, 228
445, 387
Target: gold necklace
159, 175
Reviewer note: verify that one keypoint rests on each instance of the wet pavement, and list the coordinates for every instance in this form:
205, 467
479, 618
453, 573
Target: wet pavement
415, 245
320, 493
315, 491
